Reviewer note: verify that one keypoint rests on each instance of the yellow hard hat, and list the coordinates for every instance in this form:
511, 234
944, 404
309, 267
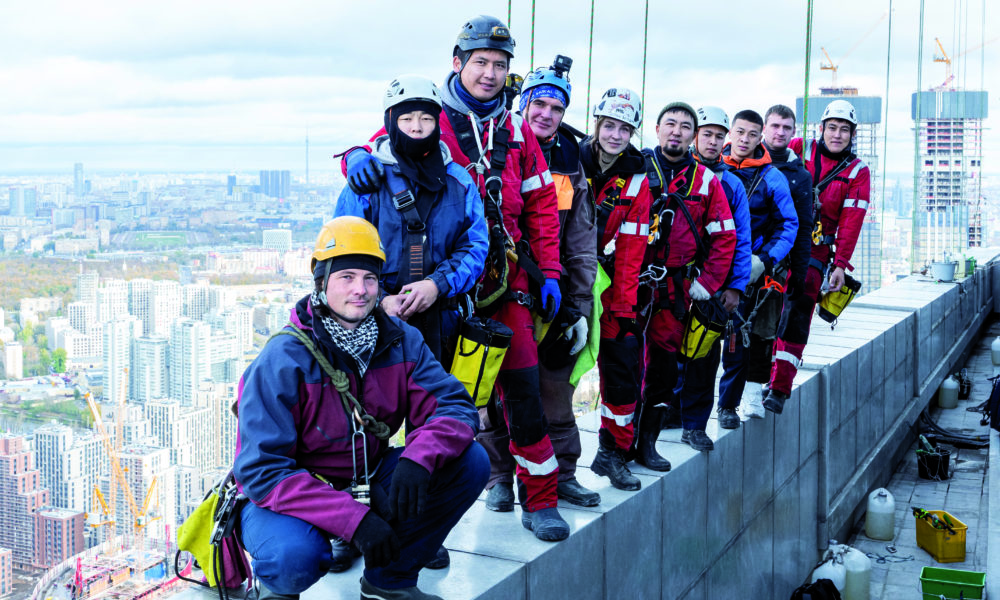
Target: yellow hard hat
348, 236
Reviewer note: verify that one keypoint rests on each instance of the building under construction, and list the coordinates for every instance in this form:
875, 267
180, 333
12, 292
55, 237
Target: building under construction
868, 252
949, 215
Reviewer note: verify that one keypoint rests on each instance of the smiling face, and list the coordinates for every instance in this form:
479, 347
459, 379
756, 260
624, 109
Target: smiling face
351, 295
613, 135
744, 138
837, 134
674, 132
485, 74
544, 116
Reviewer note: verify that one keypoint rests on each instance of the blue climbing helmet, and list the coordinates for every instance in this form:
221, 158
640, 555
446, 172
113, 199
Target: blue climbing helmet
556, 75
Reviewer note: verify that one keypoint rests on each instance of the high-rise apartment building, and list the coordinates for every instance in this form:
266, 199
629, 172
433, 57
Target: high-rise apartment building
59, 534
82, 315
196, 299
118, 336
70, 464
13, 360
277, 239
112, 300
150, 359
166, 306
6, 571
21, 496
78, 189
86, 287
187, 432
227, 358
949, 215
149, 468
140, 302
239, 322
190, 358
275, 184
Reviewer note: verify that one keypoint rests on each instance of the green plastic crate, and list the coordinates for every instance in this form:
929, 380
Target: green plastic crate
952, 583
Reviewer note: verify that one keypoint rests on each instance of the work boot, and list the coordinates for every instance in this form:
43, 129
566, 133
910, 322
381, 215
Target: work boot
697, 439
500, 497
440, 561
344, 554
671, 417
546, 523
649, 430
728, 419
260, 592
371, 592
752, 406
572, 491
775, 401
611, 464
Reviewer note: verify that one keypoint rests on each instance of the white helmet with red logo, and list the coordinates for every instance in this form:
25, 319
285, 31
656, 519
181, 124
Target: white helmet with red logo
622, 104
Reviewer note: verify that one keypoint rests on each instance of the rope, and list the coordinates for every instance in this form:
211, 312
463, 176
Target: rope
914, 236
508, 13
885, 133
805, 94
531, 60
645, 48
590, 62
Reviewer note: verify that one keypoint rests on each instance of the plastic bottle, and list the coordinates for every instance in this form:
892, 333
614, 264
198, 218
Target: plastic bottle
857, 584
995, 352
880, 520
832, 567
948, 394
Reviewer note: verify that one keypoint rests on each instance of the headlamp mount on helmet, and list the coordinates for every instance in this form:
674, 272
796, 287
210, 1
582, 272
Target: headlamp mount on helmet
484, 32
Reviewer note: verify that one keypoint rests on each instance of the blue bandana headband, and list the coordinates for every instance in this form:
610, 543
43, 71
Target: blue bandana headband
543, 91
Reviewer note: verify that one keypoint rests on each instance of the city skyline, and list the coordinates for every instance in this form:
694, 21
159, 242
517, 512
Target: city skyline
241, 89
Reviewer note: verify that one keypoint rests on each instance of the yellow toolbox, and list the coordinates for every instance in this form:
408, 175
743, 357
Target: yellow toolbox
946, 541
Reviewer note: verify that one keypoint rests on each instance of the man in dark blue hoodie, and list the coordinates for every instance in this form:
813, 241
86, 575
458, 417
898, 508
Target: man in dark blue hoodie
773, 227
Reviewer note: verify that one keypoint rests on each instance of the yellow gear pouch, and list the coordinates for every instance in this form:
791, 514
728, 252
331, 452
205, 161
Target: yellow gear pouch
705, 323
833, 303
479, 352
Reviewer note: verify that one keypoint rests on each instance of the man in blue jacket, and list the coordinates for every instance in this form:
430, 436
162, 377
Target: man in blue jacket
316, 411
698, 379
773, 227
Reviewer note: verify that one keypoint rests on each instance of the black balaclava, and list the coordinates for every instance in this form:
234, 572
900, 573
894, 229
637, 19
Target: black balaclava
420, 161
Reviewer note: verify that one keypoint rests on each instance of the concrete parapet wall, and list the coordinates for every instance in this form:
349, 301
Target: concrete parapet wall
747, 520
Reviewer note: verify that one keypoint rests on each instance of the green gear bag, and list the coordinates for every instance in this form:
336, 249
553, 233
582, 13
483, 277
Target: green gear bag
587, 357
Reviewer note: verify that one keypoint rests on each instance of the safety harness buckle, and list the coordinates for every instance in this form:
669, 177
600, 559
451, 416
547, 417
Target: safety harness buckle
524, 299
403, 200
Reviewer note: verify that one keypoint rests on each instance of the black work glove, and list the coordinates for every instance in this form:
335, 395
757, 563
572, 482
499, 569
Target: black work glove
377, 541
364, 172
768, 263
408, 492
626, 326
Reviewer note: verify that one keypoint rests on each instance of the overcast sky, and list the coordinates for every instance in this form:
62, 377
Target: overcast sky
220, 86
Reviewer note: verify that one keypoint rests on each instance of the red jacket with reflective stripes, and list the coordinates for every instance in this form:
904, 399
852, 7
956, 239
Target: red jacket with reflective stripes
843, 203
713, 218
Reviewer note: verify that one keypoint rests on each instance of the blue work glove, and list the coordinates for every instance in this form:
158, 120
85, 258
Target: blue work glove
408, 492
364, 172
551, 299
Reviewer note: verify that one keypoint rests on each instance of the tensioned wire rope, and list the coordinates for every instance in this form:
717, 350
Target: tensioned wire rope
885, 137
805, 94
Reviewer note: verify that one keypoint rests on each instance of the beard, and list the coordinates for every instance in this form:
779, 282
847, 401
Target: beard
674, 152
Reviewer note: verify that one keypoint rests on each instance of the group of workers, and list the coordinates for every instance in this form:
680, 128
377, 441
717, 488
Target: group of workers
662, 262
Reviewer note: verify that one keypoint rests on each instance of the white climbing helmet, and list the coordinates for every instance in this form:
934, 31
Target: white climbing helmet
410, 87
713, 115
840, 109
622, 104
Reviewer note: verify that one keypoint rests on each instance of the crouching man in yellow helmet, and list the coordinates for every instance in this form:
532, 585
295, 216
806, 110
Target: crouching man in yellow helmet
316, 411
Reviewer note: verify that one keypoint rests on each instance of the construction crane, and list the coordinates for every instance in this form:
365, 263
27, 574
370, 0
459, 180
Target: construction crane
943, 58
139, 516
830, 66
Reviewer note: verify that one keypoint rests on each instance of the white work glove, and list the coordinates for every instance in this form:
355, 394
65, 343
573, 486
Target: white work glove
698, 291
756, 268
577, 331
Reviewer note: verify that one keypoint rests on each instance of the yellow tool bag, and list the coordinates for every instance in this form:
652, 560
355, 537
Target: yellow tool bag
833, 303
705, 323
479, 353
208, 535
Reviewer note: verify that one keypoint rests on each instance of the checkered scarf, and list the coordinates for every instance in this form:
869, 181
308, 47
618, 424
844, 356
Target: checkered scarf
358, 342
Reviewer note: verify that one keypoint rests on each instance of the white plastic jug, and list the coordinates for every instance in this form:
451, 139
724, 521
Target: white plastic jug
832, 567
995, 352
880, 520
857, 584
948, 394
